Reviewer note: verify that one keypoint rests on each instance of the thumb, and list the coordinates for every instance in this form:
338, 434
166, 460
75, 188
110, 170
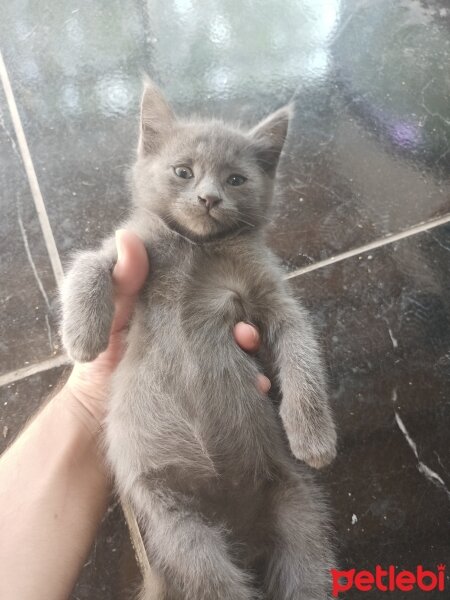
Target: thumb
132, 265
128, 275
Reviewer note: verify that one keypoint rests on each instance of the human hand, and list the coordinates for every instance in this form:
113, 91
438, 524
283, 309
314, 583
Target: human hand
88, 386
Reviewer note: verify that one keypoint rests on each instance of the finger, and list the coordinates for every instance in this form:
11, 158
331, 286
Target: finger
263, 383
129, 276
132, 265
247, 336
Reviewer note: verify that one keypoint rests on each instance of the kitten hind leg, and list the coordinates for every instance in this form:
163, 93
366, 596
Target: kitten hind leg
300, 557
190, 554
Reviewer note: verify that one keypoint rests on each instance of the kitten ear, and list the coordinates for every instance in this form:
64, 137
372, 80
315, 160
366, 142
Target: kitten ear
157, 119
269, 136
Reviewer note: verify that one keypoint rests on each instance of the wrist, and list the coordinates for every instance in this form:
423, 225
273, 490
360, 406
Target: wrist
74, 407
85, 395
82, 432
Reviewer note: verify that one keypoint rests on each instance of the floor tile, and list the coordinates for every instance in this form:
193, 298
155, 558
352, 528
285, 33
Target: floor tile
20, 400
368, 151
28, 324
110, 571
384, 321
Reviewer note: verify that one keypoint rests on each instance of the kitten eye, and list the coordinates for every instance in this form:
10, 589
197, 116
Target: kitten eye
183, 172
236, 179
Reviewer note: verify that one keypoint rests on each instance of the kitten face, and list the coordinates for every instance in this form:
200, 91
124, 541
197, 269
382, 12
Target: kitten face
205, 179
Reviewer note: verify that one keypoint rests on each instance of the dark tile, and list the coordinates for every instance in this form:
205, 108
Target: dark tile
111, 572
76, 75
28, 331
368, 153
384, 319
20, 400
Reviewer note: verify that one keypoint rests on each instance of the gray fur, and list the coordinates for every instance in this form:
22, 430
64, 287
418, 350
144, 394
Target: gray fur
206, 460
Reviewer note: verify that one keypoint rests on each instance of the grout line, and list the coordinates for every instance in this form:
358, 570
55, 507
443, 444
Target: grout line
31, 261
372, 246
31, 175
137, 540
37, 278
45, 365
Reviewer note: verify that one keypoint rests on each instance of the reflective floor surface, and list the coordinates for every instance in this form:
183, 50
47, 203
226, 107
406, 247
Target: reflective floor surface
361, 219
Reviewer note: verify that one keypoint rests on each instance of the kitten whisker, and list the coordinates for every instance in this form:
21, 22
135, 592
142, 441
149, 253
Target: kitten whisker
240, 220
259, 215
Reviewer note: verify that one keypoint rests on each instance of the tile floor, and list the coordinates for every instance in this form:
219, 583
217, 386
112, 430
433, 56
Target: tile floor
361, 218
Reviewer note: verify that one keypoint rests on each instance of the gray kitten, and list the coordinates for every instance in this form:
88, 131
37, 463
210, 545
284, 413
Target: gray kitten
206, 460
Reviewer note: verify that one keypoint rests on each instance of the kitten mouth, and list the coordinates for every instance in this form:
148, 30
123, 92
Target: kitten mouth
200, 222
210, 221
210, 214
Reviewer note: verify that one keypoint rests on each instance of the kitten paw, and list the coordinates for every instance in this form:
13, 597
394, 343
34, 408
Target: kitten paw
312, 440
87, 307
83, 348
317, 453
318, 461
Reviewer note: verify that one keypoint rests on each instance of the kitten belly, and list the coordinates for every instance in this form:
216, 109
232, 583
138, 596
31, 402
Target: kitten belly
187, 406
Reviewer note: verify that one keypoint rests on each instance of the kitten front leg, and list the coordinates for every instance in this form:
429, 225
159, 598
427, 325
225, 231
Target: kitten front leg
88, 304
304, 410
188, 552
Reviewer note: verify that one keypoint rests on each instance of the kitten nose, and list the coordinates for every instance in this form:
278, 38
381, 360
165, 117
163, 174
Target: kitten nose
209, 201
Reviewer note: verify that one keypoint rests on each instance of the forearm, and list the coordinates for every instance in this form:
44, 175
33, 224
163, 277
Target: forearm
53, 494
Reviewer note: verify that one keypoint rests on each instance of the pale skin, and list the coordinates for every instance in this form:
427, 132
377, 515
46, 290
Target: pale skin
54, 486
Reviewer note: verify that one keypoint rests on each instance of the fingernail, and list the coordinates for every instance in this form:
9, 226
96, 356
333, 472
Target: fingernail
119, 243
254, 330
